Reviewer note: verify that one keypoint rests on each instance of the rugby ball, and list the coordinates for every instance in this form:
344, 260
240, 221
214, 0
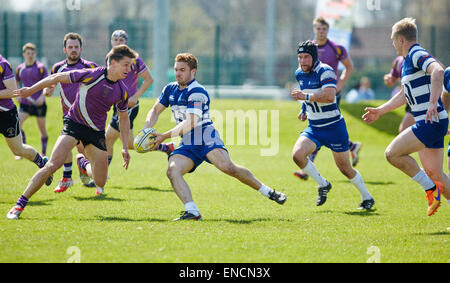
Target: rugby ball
143, 139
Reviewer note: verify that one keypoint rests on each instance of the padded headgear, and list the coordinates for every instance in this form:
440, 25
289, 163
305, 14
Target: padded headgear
310, 48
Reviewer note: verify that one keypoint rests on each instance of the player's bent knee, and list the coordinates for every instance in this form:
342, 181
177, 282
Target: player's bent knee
172, 172
389, 155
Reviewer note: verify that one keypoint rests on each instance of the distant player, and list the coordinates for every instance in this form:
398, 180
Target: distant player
422, 79
390, 80
331, 54
138, 69
72, 47
200, 142
28, 73
85, 122
326, 125
9, 119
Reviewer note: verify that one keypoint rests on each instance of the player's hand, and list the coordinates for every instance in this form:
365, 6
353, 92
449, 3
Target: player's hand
48, 91
302, 116
126, 158
132, 101
158, 140
432, 113
371, 115
40, 101
298, 94
22, 92
388, 80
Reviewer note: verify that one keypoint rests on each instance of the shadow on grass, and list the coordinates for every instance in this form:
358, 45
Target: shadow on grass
374, 183
440, 233
147, 188
232, 221
239, 221
387, 123
125, 219
360, 213
103, 197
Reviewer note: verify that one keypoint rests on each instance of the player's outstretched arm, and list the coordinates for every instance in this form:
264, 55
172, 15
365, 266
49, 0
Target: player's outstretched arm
372, 114
47, 82
8, 91
153, 114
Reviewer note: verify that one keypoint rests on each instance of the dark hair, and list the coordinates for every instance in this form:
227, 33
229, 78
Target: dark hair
118, 52
74, 36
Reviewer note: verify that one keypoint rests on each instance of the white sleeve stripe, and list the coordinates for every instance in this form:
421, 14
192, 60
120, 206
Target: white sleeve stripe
143, 70
198, 96
195, 111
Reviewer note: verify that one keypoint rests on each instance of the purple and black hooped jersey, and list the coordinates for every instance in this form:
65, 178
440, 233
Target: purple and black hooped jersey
95, 97
28, 76
6, 73
447, 80
68, 92
131, 81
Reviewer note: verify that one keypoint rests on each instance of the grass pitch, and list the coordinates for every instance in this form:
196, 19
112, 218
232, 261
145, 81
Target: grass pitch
133, 221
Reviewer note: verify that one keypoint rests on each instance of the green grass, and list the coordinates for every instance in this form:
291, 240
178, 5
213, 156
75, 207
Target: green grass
132, 222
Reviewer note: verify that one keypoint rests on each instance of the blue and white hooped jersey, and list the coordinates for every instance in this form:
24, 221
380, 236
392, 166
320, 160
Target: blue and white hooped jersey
416, 83
192, 99
323, 76
447, 80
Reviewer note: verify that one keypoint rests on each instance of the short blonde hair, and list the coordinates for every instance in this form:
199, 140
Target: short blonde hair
320, 21
405, 27
30, 46
188, 58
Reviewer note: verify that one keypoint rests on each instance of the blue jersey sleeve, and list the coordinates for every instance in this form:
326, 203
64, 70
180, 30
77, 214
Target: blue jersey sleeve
328, 78
164, 97
196, 102
421, 59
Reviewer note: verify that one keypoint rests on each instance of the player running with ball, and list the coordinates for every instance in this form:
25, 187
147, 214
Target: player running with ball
200, 142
